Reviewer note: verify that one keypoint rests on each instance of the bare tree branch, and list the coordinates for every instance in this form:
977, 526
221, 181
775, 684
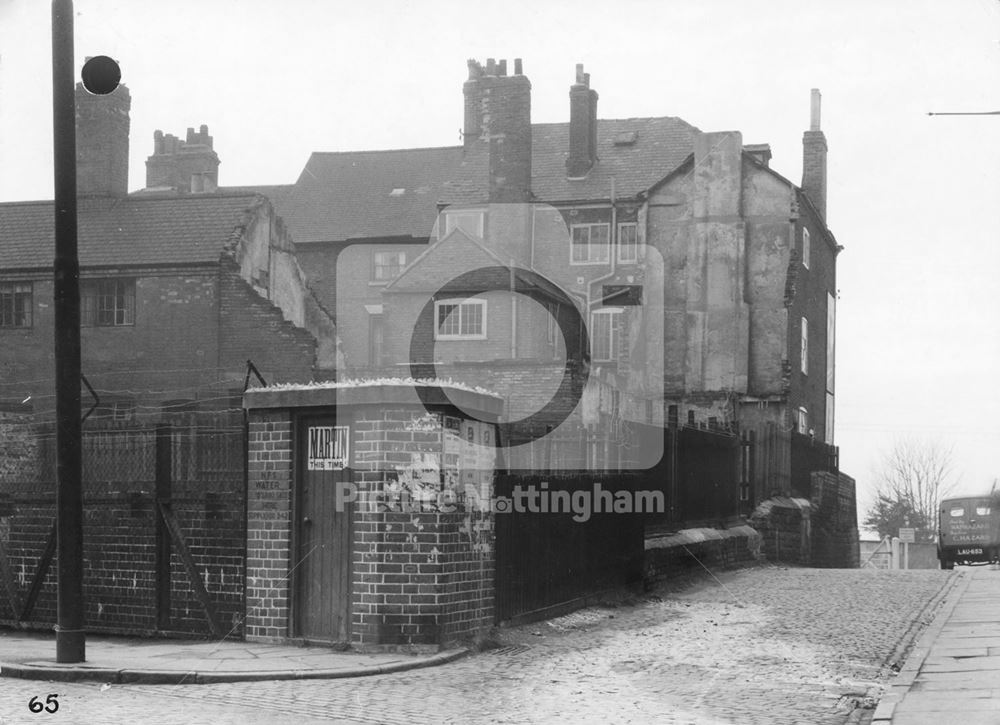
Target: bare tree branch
916, 474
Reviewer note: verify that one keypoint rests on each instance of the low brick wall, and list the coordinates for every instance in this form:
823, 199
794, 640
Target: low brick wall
821, 531
785, 527
694, 550
834, 517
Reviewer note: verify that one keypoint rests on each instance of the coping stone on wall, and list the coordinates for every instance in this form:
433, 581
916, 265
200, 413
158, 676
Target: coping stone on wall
375, 392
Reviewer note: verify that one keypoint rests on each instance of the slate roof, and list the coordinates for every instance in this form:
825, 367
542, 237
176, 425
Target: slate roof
136, 230
349, 195
658, 147
277, 193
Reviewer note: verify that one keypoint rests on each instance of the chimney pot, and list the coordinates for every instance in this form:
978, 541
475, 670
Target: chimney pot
814, 110
517, 67
491, 66
503, 68
187, 166
582, 126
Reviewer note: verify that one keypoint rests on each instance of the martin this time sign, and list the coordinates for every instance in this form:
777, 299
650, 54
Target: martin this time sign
327, 447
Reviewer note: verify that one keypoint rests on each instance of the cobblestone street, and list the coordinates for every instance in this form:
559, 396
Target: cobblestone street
763, 645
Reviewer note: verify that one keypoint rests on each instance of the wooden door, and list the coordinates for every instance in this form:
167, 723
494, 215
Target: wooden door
323, 532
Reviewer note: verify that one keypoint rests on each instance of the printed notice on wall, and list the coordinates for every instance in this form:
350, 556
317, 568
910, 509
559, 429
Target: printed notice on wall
327, 447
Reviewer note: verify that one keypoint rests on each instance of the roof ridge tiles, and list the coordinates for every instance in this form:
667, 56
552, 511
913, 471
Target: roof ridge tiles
387, 151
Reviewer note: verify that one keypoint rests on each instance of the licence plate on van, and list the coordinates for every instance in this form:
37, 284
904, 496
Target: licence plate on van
969, 552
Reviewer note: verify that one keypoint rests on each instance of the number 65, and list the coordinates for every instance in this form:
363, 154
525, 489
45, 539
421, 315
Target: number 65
51, 704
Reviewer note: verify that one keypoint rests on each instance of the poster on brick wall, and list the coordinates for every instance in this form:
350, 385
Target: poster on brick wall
328, 447
469, 456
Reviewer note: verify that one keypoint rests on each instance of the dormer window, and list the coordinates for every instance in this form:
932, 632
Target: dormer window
470, 221
625, 138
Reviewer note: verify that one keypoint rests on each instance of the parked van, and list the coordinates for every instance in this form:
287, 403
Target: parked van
969, 530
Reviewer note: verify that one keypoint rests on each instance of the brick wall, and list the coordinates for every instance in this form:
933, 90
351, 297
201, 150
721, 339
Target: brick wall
691, 551
18, 444
420, 578
821, 531
809, 299
121, 526
193, 333
421, 570
525, 385
251, 327
269, 507
785, 527
834, 521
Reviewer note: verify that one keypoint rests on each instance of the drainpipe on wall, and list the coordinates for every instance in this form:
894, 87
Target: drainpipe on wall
613, 240
612, 254
513, 313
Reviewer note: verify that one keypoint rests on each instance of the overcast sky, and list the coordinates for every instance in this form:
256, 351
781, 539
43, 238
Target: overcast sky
912, 198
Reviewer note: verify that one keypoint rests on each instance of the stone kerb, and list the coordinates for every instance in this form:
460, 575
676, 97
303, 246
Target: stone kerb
422, 541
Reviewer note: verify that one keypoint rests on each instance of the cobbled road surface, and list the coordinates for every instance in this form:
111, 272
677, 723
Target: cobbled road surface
768, 645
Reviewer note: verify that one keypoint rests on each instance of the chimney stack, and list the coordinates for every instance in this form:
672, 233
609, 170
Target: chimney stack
814, 158
188, 167
102, 127
582, 126
498, 113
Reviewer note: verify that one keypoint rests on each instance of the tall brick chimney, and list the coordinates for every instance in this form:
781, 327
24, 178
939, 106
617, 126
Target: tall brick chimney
102, 126
814, 158
498, 113
582, 126
189, 167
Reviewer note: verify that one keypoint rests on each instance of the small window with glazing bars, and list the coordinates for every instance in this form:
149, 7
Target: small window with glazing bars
107, 302
15, 304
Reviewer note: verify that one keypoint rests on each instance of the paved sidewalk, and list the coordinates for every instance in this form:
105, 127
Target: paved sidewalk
158, 661
953, 673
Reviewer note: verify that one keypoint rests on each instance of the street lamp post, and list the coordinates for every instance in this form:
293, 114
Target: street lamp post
70, 638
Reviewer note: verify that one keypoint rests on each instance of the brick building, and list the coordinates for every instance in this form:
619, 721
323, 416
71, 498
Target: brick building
746, 265
181, 283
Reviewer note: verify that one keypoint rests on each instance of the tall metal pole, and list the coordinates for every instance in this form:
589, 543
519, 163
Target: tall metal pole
70, 638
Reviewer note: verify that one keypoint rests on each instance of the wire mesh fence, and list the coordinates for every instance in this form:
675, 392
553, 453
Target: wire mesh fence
163, 524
